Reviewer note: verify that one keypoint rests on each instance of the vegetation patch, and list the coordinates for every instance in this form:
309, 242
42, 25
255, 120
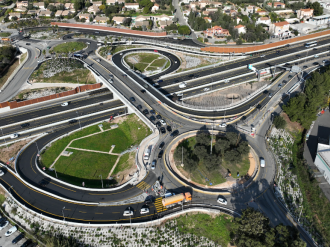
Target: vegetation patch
69, 47
229, 157
5, 34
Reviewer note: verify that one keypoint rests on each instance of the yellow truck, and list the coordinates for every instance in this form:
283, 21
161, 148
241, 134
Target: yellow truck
176, 199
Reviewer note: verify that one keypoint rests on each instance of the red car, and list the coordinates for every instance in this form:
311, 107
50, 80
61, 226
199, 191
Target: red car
155, 51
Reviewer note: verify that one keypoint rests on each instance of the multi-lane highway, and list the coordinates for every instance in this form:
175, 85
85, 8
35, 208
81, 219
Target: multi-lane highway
86, 205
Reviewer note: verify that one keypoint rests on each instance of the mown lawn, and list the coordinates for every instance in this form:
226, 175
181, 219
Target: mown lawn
69, 47
216, 228
159, 62
124, 163
129, 133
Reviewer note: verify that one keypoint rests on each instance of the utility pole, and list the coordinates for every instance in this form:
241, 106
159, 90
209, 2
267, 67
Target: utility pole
101, 180
212, 138
63, 213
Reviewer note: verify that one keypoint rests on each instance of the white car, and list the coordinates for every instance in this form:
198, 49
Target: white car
180, 94
222, 201
3, 225
226, 81
223, 125
121, 54
182, 85
162, 122
11, 231
13, 136
1, 174
262, 162
99, 44
128, 213
206, 89
175, 61
144, 210
110, 80
153, 165
65, 104
88, 43
262, 55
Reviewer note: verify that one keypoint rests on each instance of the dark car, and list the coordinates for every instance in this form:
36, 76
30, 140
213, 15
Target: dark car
159, 117
290, 76
44, 182
145, 112
143, 91
27, 243
18, 238
158, 124
152, 112
28, 43
139, 107
315, 49
284, 81
190, 76
175, 133
132, 99
162, 129
152, 118
124, 75
305, 67
176, 81
160, 154
169, 128
161, 145
3, 219
25, 125
72, 121
316, 63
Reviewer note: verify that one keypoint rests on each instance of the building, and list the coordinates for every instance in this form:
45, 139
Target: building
216, 31
250, 8
240, 29
132, 6
40, 5
162, 17
93, 9
68, 6
277, 5
98, 3
13, 14
262, 12
322, 160
85, 16
33, 12
319, 20
58, 13
141, 23
279, 28
264, 20
118, 19
238, 20
193, 5
155, 7
46, 13
212, 10
113, 2
227, 7
233, 13
66, 13
101, 20
22, 4
164, 24
305, 13
22, 9
216, 4
208, 19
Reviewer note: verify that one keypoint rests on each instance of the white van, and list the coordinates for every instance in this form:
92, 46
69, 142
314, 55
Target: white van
262, 162
182, 85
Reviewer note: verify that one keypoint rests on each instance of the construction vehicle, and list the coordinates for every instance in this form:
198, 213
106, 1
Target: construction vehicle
176, 199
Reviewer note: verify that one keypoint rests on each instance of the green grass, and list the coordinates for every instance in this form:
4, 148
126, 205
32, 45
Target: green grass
242, 167
23, 57
138, 66
146, 57
69, 47
126, 135
159, 62
5, 34
50, 154
167, 64
216, 228
2, 199
124, 163
150, 68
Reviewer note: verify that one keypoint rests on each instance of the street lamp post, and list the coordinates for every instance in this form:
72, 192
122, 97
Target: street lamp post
4, 138
300, 212
78, 119
63, 213
101, 180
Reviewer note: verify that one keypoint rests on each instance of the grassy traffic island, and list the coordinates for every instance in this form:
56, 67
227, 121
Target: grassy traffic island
105, 150
230, 159
69, 47
62, 70
147, 62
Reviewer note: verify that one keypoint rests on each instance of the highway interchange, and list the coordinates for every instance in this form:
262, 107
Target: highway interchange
97, 206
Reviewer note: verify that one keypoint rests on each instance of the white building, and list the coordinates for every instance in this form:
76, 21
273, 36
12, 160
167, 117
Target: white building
264, 20
319, 20
240, 29
133, 6
322, 160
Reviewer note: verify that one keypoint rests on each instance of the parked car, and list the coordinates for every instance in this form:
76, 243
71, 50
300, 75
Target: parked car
27, 243
128, 213
152, 118
222, 201
175, 133
3, 224
18, 238
132, 99
139, 107
145, 112
263, 55
159, 117
11, 231
65, 104
1, 173
152, 112
162, 121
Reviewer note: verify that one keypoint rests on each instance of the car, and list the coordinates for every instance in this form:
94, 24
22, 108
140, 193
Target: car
288, 45
65, 104
162, 121
222, 201
143, 91
158, 124
28, 43
280, 85
262, 162
206, 89
25, 125
99, 44
145, 112
152, 118
315, 49
97, 32
98, 60
270, 95
290, 76
132, 99
144, 210
128, 213
152, 112
3, 224
88, 43
156, 84
18, 238
1, 173
176, 81
284, 81
43, 183
121, 54
263, 55
159, 117
110, 80
160, 154
139, 107
169, 128
191, 75
175, 61
175, 133
298, 55
27, 243
223, 125
155, 51
161, 145
325, 61
277, 52
13, 136
316, 56
72, 121
3, 219
162, 129
226, 81
179, 94
124, 75
146, 85
159, 81
305, 67
182, 85
153, 164
11, 231
316, 64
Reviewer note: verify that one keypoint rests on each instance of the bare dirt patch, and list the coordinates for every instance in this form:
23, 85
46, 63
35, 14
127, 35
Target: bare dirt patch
11, 151
125, 175
291, 126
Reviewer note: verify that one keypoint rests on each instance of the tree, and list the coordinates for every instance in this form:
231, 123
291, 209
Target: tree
200, 152
203, 138
233, 138
184, 30
233, 156
222, 145
102, 7
279, 122
318, 9
91, 19
239, 41
211, 162
127, 22
243, 148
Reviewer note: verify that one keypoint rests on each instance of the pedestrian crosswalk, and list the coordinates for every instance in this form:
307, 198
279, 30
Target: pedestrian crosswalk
159, 206
143, 185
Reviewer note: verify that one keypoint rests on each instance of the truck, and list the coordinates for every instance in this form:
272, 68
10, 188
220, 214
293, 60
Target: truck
176, 199
147, 152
